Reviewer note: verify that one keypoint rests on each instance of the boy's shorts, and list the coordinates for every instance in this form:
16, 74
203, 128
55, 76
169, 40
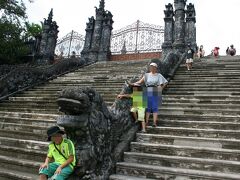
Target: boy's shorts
141, 112
66, 171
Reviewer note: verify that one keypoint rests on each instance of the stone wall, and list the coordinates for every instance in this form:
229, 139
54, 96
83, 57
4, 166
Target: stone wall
136, 56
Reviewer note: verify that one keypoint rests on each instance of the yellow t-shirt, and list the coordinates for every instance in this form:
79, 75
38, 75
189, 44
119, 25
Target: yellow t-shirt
66, 147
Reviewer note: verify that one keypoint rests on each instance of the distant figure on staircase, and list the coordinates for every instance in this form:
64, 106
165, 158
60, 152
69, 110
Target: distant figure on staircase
215, 52
201, 52
189, 60
231, 51
60, 159
73, 55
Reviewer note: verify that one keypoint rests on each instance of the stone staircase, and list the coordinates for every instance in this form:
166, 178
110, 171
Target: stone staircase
198, 136
25, 117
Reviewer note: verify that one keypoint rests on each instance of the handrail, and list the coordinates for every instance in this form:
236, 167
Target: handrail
44, 81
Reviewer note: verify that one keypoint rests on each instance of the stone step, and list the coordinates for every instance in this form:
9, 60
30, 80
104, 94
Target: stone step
21, 153
30, 110
123, 177
32, 104
206, 89
205, 77
206, 93
108, 98
201, 105
195, 117
23, 127
22, 165
195, 132
207, 72
202, 85
200, 124
161, 172
198, 101
199, 111
23, 135
24, 143
182, 162
29, 115
40, 91
188, 141
204, 81
68, 83
7, 174
187, 151
28, 121
58, 87
203, 96
111, 95
32, 98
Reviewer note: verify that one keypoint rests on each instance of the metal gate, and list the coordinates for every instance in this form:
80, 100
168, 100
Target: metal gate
135, 38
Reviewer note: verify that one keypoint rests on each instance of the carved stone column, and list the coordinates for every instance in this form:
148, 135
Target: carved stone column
98, 36
88, 39
179, 25
168, 29
104, 53
97, 33
190, 26
48, 40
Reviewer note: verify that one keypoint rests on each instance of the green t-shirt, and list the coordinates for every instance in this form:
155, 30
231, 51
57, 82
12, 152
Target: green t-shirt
66, 148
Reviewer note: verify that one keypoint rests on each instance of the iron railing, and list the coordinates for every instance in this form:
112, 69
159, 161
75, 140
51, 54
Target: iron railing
135, 38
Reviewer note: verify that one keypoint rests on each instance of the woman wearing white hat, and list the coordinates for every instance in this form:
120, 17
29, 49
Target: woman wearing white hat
155, 83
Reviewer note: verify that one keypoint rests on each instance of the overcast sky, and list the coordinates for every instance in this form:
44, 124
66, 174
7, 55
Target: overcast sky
216, 21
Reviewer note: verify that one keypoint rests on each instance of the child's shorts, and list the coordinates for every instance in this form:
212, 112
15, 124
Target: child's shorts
66, 171
140, 111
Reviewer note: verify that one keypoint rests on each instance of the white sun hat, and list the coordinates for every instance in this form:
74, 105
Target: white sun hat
154, 64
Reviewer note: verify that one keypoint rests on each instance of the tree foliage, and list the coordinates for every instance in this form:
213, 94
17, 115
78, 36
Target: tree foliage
12, 16
32, 29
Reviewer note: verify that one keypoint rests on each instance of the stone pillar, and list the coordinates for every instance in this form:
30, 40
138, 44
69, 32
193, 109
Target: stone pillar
98, 36
104, 52
48, 40
168, 29
179, 25
190, 32
88, 39
96, 39
89, 33
44, 39
52, 40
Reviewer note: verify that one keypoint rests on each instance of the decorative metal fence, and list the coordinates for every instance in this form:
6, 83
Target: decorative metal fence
135, 38
73, 41
138, 37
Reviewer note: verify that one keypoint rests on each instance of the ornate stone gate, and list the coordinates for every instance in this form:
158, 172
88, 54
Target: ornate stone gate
138, 37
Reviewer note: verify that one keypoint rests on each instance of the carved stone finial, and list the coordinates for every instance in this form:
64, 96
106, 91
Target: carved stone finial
190, 12
50, 16
124, 49
169, 11
102, 5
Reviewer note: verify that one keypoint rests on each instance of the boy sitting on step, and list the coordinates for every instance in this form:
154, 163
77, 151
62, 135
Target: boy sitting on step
60, 160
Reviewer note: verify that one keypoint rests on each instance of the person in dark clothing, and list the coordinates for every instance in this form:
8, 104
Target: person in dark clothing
189, 60
232, 50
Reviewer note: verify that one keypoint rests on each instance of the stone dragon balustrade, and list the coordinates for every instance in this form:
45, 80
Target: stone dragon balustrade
102, 134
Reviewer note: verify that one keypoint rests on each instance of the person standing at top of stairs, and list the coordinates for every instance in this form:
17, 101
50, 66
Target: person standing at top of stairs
189, 60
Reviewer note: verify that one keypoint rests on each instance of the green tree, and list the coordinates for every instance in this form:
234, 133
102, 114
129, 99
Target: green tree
33, 30
12, 16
